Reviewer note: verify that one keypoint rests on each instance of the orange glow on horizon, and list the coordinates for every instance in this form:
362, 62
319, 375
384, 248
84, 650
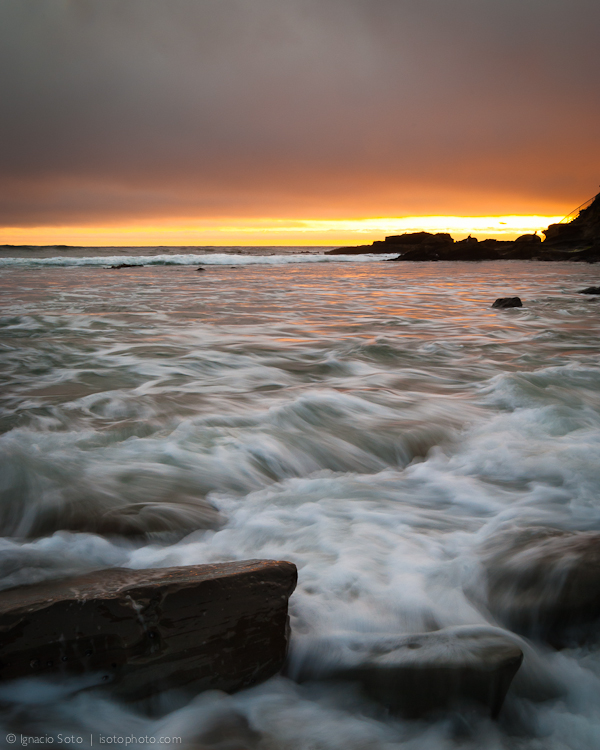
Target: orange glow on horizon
273, 232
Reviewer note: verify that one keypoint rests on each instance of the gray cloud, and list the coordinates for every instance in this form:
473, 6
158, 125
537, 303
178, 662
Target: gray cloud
135, 108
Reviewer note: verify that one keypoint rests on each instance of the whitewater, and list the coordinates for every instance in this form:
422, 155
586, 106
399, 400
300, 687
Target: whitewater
375, 423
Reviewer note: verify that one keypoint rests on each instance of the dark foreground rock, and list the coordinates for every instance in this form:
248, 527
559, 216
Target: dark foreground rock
416, 675
128, 265
141, 632
503, 302
545, 584
590, 290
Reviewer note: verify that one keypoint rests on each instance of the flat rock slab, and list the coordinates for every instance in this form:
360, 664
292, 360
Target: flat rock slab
416, 675
221, 626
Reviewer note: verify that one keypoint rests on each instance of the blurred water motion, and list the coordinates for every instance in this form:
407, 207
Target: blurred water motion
376, 424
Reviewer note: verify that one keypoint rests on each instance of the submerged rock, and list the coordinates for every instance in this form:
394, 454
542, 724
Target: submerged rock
221, 626
128, 265
177, 516
415, 675
545, 584
503, 302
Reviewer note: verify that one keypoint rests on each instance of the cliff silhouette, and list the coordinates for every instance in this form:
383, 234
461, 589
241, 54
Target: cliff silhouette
575, 238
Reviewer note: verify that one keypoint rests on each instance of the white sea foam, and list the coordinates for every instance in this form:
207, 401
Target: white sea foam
188, 259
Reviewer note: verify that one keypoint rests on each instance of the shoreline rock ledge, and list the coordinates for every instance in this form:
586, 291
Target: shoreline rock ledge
140, 632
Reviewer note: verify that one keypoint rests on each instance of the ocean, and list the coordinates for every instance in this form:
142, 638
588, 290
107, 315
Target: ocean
377, 424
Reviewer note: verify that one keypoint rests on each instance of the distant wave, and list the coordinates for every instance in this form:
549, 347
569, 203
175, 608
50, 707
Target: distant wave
221, 259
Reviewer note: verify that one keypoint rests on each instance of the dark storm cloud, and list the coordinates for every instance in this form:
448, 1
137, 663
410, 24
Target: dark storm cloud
136, 108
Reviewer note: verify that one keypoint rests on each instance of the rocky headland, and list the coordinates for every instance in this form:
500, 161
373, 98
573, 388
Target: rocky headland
576, 240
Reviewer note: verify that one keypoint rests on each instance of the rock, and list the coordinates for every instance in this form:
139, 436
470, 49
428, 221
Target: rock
141, 519
589, 255
128, 265
590, 290
419, 238
399, 243
545, 584
415, 675
576, 240
171, 515
503, 302
201, 268
419, 254
581, 232
221, 626
529, 239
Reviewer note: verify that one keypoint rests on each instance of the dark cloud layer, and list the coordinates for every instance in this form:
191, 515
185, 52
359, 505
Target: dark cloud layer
128, 109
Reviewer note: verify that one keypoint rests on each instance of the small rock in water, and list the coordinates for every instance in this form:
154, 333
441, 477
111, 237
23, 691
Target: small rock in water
201, 268
200, 627
508, 302
128, 265
590, 290
415, 675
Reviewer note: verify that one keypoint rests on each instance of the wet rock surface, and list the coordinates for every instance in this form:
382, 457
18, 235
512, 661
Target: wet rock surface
416, 675
505, 302
590, 290
140, 632
545, 584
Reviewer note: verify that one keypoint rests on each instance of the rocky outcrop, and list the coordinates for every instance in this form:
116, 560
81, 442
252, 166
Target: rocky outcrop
414, 241
545, 584
139, 632
416, 675
504, 302
578, 240
424, 246
581, 233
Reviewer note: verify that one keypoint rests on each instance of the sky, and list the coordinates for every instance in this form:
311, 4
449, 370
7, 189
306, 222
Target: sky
294, 121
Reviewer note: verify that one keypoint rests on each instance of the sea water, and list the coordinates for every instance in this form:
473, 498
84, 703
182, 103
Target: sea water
375, 423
